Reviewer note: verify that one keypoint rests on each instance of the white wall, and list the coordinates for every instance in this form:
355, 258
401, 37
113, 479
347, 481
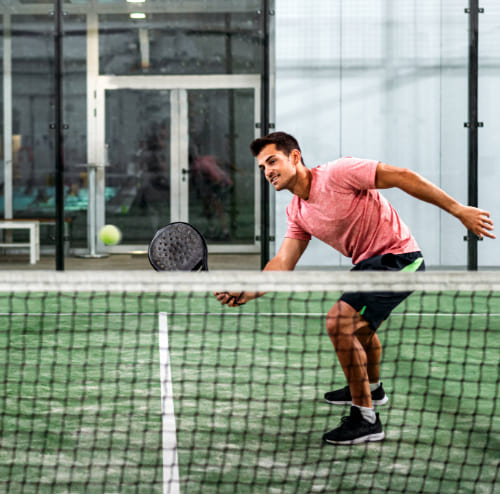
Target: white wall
387, 79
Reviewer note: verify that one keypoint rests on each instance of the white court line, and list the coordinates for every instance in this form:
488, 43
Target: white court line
169, 432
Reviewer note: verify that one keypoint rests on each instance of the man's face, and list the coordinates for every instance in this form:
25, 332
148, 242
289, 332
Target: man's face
280, 170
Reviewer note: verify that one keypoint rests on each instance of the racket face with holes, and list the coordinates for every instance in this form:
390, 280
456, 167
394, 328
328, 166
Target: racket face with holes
178, 247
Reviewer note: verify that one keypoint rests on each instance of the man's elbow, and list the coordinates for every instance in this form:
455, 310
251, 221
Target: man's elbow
279, 264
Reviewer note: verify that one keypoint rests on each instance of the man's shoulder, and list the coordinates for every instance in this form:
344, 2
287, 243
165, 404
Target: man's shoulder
339, 163
325, 168
349, 173
332, 168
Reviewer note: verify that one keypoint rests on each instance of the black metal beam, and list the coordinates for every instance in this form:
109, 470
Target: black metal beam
264, 126
472, 125
58, 130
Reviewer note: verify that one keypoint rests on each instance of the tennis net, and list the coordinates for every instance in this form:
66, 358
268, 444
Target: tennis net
141, 382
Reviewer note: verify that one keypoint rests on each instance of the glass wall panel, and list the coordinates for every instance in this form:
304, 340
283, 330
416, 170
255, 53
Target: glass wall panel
222, 170
2, 156
32, 115
388, 80
489, 107
75, 123
138, 189
176, 37
148, 123
453, 109
180, 43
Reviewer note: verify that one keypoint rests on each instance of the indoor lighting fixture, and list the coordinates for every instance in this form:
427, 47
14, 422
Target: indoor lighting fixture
137, 15
136, 1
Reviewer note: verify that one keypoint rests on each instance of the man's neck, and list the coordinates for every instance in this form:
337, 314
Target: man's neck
302, 187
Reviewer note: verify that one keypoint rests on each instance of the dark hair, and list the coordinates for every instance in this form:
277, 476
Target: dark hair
284, 142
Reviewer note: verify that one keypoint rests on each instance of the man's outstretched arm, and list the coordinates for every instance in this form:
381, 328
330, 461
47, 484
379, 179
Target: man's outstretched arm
474, 219
285, 260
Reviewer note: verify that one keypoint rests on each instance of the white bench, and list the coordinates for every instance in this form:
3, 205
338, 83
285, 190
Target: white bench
34, 236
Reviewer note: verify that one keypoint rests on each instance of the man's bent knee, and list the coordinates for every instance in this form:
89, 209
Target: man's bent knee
343, 319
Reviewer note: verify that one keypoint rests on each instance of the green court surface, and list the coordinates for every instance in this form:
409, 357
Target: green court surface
80, 396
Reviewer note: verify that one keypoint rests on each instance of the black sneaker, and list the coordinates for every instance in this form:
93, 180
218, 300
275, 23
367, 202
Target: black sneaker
343, 396
355, 429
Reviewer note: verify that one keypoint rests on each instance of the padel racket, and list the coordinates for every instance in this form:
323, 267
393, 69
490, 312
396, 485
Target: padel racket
178, 247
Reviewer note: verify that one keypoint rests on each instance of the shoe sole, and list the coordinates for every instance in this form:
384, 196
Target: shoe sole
369, 438
375, 402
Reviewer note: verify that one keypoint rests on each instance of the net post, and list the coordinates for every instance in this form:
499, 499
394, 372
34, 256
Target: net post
169, 433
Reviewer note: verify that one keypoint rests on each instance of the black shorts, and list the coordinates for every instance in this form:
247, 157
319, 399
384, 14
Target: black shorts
376, 307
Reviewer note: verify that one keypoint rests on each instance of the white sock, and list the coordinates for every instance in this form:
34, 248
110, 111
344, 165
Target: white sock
374, 386
368, 414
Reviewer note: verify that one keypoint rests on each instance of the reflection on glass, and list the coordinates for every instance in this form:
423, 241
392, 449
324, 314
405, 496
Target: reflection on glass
138, 175
222, 172
33, 153
2, 184
180, 43
138, 124
32, 101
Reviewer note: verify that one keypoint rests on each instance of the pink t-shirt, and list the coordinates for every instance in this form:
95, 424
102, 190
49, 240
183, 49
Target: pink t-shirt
346, 211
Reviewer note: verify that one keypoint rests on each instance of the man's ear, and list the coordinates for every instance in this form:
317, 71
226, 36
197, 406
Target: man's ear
296, 156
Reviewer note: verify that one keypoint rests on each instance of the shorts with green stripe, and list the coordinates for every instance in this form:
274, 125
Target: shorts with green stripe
376, 307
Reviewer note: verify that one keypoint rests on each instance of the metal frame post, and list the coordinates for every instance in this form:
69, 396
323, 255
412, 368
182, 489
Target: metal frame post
265, 125
59, 138
473, 124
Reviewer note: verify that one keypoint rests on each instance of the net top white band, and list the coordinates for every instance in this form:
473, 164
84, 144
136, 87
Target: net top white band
298, 281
